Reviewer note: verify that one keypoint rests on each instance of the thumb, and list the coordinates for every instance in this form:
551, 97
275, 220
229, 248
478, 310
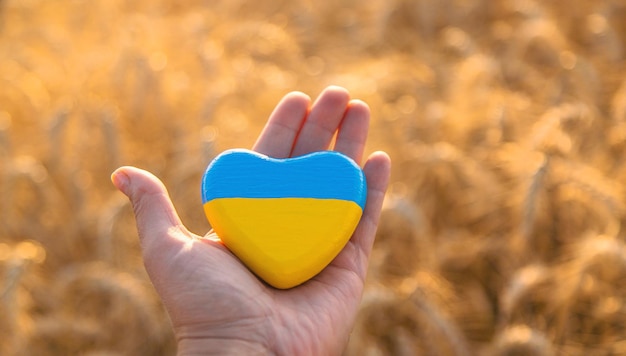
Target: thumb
157, 221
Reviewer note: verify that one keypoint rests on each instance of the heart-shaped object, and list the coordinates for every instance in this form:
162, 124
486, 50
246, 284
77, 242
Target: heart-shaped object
285, 219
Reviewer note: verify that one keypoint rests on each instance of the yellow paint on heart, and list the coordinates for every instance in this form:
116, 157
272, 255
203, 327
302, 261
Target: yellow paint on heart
277, 237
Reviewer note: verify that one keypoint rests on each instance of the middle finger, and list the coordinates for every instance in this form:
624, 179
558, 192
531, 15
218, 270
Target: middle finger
322, 122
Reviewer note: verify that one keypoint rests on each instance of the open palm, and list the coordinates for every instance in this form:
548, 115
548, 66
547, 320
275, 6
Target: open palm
215, 303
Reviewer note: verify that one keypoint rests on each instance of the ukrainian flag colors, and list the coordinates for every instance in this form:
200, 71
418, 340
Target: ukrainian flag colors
286, 219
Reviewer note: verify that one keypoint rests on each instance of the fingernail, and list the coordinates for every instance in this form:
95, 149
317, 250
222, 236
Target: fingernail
120, 180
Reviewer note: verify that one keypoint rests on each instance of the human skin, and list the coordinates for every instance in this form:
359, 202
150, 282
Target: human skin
216, 305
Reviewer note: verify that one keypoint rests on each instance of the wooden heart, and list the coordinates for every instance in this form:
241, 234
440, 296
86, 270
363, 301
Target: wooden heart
285, 219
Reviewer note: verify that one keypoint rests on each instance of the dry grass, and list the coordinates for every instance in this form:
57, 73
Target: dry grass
506, 121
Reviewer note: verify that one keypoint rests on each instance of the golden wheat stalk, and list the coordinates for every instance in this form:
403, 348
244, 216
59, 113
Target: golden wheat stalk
521, 286
106, 224
57, 128
433, 317
521, 340
537, 182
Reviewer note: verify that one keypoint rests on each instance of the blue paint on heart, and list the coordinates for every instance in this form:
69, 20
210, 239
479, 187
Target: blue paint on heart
240, 173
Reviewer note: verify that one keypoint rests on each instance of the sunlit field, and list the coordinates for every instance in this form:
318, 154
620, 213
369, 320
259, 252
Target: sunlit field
505, 120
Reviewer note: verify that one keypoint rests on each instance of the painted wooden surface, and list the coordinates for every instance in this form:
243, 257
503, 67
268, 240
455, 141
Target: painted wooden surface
286, 219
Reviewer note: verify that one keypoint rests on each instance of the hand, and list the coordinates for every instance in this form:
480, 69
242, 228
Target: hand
215, 303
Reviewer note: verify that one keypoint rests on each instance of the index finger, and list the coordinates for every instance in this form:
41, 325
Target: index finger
279, 134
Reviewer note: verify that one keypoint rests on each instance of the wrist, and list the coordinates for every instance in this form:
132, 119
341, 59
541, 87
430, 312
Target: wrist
240, 337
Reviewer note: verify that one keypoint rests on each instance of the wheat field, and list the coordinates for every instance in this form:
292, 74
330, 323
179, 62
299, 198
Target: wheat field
501, 233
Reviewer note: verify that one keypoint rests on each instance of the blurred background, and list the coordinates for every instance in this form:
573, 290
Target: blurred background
505, 120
